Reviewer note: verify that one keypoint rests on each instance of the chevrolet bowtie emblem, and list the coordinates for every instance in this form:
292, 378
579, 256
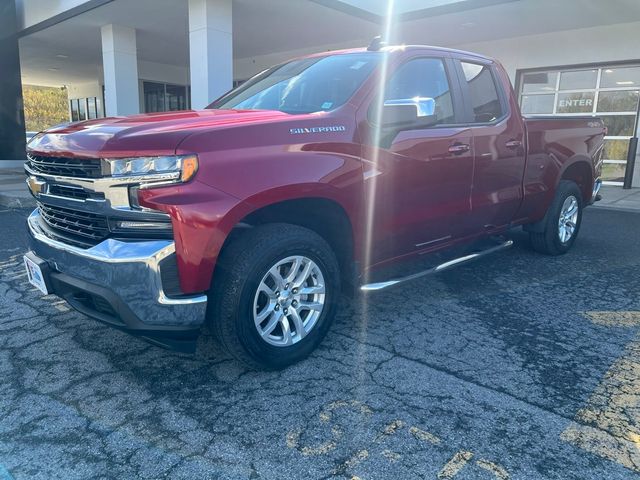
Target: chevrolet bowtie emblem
36, 186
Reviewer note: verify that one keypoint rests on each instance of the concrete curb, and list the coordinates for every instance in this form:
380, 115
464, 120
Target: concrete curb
612, 208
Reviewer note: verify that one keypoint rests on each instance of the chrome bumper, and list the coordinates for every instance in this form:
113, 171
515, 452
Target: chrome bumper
129, 275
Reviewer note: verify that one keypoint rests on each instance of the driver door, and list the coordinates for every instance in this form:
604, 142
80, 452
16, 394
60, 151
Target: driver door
417, 179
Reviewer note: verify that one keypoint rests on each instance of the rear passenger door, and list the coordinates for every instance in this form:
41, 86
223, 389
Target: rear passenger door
498, 140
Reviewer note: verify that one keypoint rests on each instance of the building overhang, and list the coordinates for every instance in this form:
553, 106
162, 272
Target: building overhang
66, 47
405, 10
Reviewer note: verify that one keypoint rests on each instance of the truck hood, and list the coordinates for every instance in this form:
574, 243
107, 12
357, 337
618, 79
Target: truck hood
137, 135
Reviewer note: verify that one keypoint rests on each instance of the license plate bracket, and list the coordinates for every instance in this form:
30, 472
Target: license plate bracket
36, 274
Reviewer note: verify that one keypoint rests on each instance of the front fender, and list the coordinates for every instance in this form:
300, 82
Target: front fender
203, 217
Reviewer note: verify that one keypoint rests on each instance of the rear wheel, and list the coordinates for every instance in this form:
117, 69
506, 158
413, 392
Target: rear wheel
562, 222
274, 294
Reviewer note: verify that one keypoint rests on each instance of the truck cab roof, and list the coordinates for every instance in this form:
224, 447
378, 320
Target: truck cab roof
427, 49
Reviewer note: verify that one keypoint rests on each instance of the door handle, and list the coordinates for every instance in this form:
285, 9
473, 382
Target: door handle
513, 144
459, 148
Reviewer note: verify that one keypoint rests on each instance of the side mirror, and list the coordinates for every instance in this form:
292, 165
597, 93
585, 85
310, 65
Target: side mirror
409, 112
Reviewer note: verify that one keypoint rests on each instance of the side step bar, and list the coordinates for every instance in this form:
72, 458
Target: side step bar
374, 287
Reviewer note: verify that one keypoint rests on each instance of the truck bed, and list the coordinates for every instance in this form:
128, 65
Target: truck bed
553, 144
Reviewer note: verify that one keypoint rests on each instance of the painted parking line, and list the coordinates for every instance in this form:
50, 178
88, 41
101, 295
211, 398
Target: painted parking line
449, 471
609, 424
453, 466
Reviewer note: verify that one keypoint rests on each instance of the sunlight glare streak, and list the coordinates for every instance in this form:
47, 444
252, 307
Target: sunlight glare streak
371, 184
370, 195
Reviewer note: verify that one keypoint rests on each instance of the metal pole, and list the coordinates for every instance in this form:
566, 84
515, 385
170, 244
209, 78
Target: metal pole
631, 162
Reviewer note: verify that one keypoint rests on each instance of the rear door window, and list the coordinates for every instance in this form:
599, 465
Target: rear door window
483, 93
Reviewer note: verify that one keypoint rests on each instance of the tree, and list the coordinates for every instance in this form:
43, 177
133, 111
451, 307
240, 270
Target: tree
44, 107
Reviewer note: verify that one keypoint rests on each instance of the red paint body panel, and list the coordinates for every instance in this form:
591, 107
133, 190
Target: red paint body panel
138, 135
402, 198
553, 146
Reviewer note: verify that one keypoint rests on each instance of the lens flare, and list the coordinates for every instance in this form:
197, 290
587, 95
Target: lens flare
371, 180
370, 185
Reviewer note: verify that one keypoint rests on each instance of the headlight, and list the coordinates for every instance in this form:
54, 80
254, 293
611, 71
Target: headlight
184, 166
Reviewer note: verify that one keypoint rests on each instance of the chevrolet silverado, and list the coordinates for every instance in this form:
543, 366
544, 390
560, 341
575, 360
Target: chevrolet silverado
313, 178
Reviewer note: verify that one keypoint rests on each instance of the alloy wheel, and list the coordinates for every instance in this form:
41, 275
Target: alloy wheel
289, 301
568, 220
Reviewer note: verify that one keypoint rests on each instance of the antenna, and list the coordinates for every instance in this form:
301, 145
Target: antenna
376, 44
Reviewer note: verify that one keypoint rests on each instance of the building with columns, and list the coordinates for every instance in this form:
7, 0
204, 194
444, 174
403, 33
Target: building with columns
120, 57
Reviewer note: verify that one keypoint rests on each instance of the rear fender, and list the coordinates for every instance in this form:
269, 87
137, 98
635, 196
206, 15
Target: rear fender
566, 173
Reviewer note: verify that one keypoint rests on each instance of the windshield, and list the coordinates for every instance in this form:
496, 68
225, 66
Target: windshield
303, 86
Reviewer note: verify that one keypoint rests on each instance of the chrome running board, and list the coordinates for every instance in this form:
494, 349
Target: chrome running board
374, 287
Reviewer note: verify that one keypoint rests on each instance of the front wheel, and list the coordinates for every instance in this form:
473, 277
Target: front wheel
562, 222
274, 294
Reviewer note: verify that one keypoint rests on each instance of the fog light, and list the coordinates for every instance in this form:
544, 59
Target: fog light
144, 225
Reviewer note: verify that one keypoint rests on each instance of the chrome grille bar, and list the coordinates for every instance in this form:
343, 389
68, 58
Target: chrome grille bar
72, 167
75, 222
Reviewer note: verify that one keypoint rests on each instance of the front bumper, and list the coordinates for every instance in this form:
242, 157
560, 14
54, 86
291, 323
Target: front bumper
120, 283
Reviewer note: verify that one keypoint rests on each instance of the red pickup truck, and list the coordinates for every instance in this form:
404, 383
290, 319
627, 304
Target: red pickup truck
314, 177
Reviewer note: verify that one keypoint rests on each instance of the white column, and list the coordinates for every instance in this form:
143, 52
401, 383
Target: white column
210, 50
120, 63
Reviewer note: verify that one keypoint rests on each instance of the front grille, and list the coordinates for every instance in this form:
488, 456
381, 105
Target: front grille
88, 226
67, 167
68, 192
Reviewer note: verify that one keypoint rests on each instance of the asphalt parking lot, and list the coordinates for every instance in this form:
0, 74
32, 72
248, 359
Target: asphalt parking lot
518, 366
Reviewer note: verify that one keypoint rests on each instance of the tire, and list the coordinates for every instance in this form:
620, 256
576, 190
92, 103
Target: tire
235, 301
552, 240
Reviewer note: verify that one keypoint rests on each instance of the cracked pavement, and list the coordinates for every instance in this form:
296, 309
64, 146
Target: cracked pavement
518, 366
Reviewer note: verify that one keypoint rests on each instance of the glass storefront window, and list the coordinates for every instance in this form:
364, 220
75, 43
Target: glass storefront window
538, 104
578, 80
623, 101
153, 97
539, 82
176, 96
613, 172
74, 110
92, 108
620, 125
164, 97
620, 77
616, 149
82, 109
581, 102
609, 92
